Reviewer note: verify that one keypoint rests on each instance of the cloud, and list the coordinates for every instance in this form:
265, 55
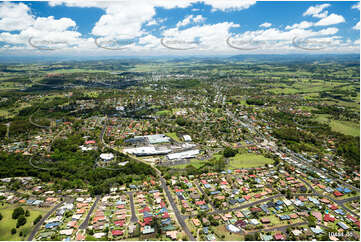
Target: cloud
152, 22
330, 20
265, 25
357, 26
316, 11
17, 17
190, 19
208, 36
229, 5
302, 25
14, 16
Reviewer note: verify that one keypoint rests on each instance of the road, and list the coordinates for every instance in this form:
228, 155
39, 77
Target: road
206, 196
35, 124
279, 228
84, 225
247, 205
338, 202
134, 217
42, 220
179, 217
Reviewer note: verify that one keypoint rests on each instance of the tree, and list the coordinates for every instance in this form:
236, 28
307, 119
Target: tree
21, 221
38, 218
13, 231
18, 212
27, 213
249, 237
1, 216
229, 152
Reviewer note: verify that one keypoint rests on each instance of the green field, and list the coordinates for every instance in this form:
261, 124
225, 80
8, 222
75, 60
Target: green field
173, 136
344, 127
7, 223
248, 160
194, 162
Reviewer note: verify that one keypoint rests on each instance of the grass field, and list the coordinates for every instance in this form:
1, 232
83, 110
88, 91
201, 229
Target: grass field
344, 127
194, 162
248, 160
7, 223
173, 136
163, 112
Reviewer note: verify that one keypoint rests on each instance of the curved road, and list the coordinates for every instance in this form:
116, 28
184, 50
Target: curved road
42, 220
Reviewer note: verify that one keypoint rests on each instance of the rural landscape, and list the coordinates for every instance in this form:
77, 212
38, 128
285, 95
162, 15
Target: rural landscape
238, 147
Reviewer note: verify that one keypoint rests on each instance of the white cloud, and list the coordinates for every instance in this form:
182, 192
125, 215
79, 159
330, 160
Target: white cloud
15, 16
229, 5
152, 22
265, 25
190, 19
209, 37
357, 26
330, 20
18, 17
302, 25
316, 11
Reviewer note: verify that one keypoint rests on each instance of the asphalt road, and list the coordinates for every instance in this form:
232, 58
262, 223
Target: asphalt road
176, 211
42, 220
338, 202
247, 205
84, 225
134, 217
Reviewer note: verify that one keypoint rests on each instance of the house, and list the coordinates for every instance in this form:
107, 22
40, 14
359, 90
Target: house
279, 236
196, 222
99, 235
328, 218
296, 232
266, 237
316, 230
66, 232
148, 230
233, 229
337, 193
117, 233
343, 225
52, 225
265, 220
254, 221
211, 237
172, 234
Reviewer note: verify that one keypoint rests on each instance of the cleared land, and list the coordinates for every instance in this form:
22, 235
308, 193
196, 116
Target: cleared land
7, 223
248, 160
344, 127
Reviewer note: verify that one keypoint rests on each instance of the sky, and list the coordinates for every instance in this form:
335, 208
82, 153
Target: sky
178, 27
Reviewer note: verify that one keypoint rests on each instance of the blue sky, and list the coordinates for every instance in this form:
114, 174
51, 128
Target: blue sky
160, 27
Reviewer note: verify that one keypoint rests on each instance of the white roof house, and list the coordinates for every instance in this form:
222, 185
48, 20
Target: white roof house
187, 138
106, 156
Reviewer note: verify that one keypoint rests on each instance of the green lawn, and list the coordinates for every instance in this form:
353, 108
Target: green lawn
7, 223
248, 160
163, 112
344, 127
194, 162
173, 136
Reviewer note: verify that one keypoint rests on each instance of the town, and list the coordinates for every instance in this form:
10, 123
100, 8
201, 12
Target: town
204, 152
